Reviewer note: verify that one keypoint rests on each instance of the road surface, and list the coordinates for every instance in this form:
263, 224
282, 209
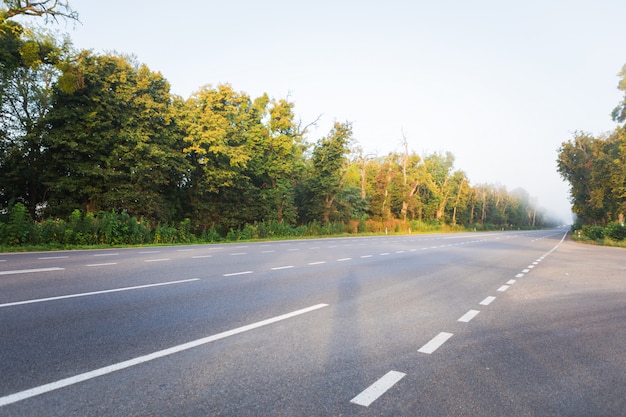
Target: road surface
505, 323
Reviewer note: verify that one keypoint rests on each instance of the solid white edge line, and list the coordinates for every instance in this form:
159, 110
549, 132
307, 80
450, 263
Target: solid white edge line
42, 389
465, 318
85, 294
435, 343
378, 388
28, 271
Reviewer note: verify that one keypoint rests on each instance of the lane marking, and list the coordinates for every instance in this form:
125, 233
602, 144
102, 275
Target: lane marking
511, 282
503, 288
519, 275
276, 268
465, 318
184, 250
237, 273
149, 251
86, 294
54, 257
28, 271
42, 389
366, 256
384, 254
268, 251
317, 263
104, 264
435, 343
487, 301
237, 253
343, 259
201, 256
378, 388
106, 254
525, 271
157, 260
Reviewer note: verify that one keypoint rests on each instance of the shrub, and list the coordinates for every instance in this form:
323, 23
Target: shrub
19, 227
593, 232
616, 231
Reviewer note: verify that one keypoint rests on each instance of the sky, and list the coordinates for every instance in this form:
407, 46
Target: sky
498, 84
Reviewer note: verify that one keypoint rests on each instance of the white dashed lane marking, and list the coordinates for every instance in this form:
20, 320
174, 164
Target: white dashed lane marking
435, 343
85, 294
465, 318
378, 388
29, 271
487, 301
232, 274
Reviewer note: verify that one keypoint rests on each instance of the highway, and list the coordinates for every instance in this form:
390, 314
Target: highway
505, 323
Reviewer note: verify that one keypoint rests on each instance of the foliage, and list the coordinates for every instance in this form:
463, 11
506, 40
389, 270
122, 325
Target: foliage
48, 9
595, 168
615, 231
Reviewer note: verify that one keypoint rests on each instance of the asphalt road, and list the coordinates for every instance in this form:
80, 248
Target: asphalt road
506, 323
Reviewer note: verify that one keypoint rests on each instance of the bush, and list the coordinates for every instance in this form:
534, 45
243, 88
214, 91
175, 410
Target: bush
17, 231
616, 231
593, 232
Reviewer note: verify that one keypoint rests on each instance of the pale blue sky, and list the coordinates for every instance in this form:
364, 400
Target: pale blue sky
499, 84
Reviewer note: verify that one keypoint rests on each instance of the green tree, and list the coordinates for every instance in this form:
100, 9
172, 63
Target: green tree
595, 170
26, 85
113, 143
327, 173
619, 113
224, 133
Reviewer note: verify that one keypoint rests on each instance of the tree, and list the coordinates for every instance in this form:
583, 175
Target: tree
113, 144
410, 176
26, 84
594, 169
619, 113
327, 173
48, 9
441, 181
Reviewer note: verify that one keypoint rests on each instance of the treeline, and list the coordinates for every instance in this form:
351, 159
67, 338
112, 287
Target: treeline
595, 167
99, 135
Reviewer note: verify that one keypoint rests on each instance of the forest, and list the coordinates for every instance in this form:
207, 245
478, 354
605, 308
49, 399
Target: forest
95, 149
